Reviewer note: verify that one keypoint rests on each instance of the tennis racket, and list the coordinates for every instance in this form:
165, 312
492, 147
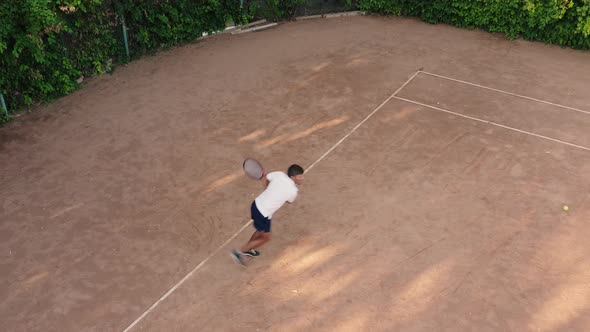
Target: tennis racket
253, 169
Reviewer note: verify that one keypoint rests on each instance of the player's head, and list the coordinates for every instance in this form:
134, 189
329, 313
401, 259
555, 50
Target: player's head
295, 172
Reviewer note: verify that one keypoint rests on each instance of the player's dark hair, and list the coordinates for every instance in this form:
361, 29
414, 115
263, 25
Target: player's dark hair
294, 170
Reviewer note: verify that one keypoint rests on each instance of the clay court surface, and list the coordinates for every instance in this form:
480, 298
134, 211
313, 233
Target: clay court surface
420, 220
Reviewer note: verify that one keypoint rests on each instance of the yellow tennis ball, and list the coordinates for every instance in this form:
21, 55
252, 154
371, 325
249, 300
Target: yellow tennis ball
566, 208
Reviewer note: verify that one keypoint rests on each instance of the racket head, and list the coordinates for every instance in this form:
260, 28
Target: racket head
253, 169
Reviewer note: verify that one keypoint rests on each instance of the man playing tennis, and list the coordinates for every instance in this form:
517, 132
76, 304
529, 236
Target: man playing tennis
279, 188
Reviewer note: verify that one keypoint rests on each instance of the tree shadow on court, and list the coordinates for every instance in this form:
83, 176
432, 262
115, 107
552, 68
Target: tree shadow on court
257, 138
401, 236
323, 289
510, 270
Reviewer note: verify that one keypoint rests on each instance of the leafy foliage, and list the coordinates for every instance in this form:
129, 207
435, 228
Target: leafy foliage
47, 45
562, 22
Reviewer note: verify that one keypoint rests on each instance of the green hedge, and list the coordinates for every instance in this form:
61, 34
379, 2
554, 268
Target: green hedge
47, 45
561, 22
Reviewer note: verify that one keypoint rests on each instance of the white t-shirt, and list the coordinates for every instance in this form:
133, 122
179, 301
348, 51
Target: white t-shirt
281, 189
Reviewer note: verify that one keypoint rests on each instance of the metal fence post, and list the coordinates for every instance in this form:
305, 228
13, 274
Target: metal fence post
3, 104
125, 35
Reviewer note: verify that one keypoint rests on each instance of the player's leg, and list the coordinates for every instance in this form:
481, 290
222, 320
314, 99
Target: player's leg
258, 239
251, 252
255, 236
262, 226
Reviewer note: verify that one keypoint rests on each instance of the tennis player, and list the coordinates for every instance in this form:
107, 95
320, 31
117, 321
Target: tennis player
279, 188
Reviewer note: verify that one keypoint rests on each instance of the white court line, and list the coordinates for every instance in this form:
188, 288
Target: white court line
362, 122
506, 92
495, 124
204, 261
186, 277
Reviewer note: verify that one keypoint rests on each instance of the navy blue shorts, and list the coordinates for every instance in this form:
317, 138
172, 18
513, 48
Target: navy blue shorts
261, 223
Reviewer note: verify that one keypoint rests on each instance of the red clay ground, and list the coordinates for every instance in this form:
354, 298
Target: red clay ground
419, 221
